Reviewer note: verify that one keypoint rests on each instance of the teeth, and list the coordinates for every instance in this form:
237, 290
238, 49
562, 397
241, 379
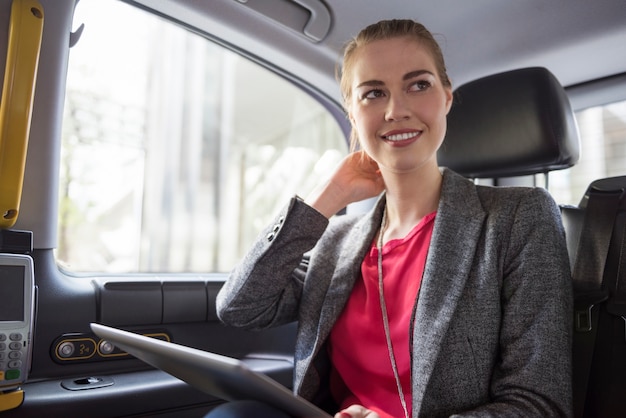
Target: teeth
401, 137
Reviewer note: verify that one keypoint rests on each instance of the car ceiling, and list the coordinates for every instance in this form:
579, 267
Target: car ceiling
578, 40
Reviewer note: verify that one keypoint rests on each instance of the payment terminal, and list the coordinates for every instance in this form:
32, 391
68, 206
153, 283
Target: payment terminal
17, 299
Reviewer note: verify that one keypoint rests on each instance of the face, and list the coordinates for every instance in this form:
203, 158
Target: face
398, 104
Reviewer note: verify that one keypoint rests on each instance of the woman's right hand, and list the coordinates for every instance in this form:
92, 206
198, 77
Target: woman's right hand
356, 178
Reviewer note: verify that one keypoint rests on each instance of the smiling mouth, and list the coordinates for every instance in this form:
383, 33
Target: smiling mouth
401, 137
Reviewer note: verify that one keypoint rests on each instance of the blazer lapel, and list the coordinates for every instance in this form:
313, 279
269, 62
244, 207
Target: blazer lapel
455, 235
338, 288
349, 269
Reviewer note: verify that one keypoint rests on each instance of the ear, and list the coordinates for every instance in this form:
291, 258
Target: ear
449, 98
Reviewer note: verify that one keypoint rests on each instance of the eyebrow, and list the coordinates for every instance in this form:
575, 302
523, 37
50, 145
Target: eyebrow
417, 73
407, 76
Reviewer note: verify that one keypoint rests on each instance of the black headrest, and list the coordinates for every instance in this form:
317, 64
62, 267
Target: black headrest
510, 124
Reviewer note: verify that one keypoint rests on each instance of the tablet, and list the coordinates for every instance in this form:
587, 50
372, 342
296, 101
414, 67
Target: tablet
224, 377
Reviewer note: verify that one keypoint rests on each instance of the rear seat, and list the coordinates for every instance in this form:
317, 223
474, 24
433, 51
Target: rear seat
520, 123
597, 245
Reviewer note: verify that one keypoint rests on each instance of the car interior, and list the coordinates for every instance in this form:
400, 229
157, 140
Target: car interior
145, 143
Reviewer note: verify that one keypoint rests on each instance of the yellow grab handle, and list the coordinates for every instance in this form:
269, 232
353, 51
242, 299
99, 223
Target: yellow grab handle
18, 91
11, 400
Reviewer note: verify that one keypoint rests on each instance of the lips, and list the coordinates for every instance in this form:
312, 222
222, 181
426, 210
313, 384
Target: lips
401, 136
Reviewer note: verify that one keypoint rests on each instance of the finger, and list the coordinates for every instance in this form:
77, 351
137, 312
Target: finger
356, 411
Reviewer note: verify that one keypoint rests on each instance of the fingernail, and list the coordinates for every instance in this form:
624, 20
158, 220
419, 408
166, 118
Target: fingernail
345, 415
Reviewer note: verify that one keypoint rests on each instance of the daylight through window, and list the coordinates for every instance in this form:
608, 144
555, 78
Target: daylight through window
176, 152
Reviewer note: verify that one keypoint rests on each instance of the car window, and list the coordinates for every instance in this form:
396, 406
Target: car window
602, 152
177, 151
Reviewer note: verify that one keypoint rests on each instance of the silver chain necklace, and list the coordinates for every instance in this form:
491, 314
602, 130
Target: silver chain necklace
383, 307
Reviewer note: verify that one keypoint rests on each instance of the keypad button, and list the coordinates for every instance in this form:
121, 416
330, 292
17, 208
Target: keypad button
3, 346
15, 354
15, 336
15, 364
3, 337
15, 345
12, 374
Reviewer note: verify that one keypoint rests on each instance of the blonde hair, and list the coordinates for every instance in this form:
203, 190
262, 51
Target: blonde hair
386, 29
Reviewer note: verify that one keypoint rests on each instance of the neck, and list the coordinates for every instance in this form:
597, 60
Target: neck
410, 197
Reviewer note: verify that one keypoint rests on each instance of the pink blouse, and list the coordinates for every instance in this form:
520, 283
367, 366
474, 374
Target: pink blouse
362, 372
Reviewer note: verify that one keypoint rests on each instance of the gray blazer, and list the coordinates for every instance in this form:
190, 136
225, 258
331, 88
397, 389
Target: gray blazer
491, 334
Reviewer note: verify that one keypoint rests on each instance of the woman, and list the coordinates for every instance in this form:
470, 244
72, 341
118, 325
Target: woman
447, 298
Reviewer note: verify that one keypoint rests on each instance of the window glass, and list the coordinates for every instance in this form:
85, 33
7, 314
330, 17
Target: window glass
603, 152
176, 152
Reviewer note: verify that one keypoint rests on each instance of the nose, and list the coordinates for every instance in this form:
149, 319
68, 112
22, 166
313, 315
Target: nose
397, 108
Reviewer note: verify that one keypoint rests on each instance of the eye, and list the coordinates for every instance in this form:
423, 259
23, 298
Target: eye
372, 94
420, 85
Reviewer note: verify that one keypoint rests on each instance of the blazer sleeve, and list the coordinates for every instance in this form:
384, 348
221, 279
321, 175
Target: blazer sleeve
264, 289
532, 376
